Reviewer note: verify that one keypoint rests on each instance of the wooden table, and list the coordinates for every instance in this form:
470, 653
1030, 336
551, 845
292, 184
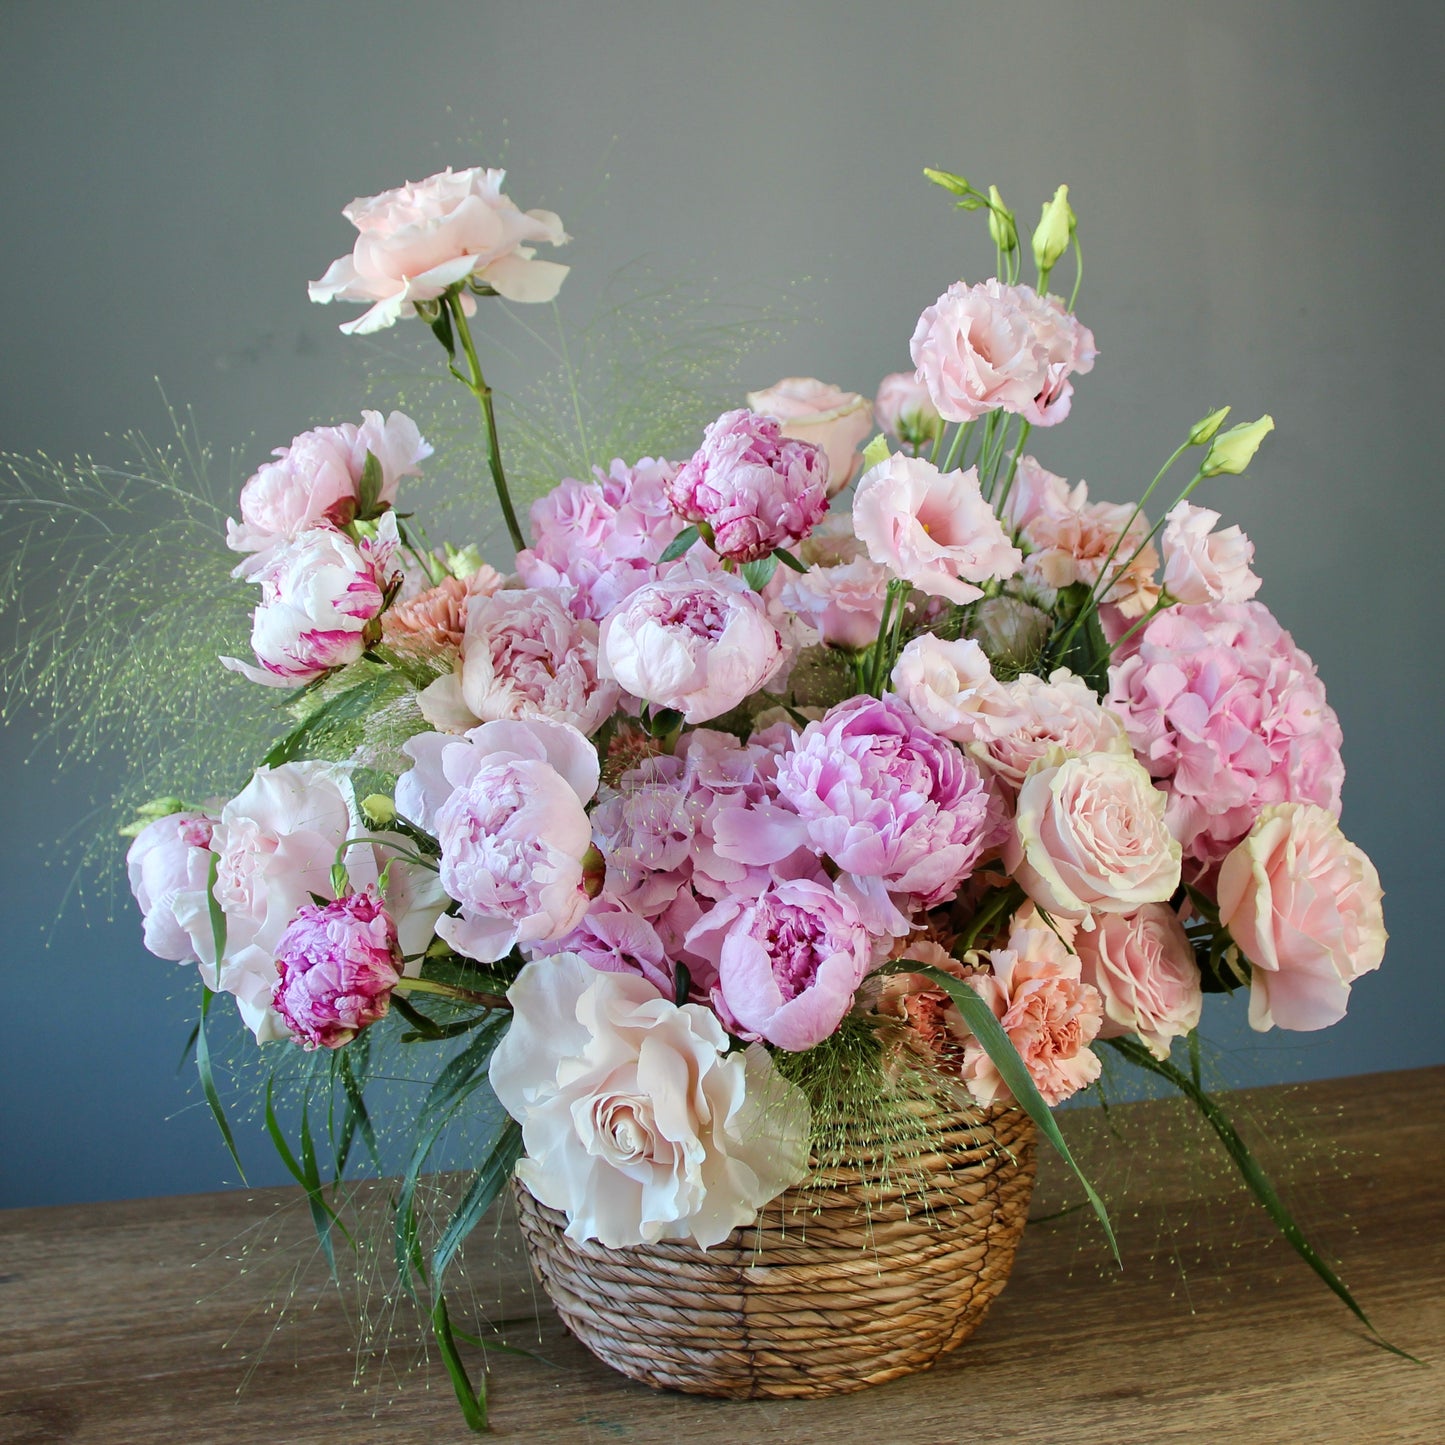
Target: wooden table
155, 1321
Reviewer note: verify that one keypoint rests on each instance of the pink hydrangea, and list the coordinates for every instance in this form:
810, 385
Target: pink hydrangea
614, 939
754, 488
338, 963
1229, 716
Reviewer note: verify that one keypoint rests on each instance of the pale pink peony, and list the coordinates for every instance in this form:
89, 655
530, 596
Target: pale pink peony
1202, 565
170, 858
420, 239
523, 654
815, 411
1303, 904
1143, 965
1089, 836
952, 689
844, 603
753, 488
1062, 711
321, 596
316, 481
788, 961
1229, 716
906, 411
696, 642
338, 964
640, 1121
932, 528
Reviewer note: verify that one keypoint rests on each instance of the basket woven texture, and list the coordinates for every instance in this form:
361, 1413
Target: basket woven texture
846, 1281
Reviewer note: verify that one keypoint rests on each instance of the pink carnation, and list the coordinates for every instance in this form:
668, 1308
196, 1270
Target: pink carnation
754, 488
338, 964
1202, 565
1230, 716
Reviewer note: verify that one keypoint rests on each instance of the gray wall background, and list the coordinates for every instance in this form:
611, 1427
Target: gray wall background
1260, 194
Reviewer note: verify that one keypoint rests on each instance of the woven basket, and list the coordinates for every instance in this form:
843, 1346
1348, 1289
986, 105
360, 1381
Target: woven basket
846, 1281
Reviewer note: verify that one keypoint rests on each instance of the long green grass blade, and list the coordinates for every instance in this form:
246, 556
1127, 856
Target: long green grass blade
305, 1173
473, 1402
357, 1116
486, 1184
208, 1083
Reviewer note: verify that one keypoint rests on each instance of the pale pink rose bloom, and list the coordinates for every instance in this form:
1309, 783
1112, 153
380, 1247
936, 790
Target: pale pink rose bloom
815, 411
906, 411
844, 603
316, 481
951, 687
1062, 711
321, 596
523, 654
1144, 967
1202, 565
639, 1120
1068, 346
1304, 905
420, 239
1089, 836
695, 641
168, 859
932, 528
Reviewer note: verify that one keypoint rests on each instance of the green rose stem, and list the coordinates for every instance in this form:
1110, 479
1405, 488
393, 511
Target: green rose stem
447, 990
478, 387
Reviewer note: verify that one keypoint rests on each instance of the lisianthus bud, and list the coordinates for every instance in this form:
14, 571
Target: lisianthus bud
379, 809
1054, 231
1001, 222
1232, 451
1203, 431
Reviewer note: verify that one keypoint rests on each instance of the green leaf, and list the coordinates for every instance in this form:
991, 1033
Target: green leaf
368, 500
1253, 1175
352, 705
473, 1402
305, 1173
1088, 652
442, 330
999, 1047
356, 1119
758, 574
682, 983
486, 1184
787, 559
679, 545
189, 1048
218, 917
208, 1082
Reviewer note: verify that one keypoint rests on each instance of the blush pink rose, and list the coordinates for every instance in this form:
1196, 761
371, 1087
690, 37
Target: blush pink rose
1202, 565
316, 481
932, 528
951, 687
906, 411
1304, 905
420, 239
1143, 965
815, 411
1089, 836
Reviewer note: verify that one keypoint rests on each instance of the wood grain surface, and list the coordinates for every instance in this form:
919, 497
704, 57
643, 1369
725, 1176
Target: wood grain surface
209, 1318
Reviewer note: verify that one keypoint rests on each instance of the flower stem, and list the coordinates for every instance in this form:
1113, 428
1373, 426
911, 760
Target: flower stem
447, 990
1024, 429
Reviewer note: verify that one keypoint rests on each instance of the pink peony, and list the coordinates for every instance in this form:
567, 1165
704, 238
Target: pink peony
1143, 965
788, 961
814, 411
951, 688
906, 411
696, 642
1230, 716
1202, 565
844, 603
316, 481
1089, 836
338, 963
168, 859
420, 239
752, 487
931, 528
1303, 904
321, 596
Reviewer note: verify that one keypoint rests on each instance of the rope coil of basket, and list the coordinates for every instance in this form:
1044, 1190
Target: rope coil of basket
866, 1271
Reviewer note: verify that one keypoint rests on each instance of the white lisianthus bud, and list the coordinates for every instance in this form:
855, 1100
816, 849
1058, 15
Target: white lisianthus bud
379, 809
1054, 231
1232, 451
1001, 222
1202, 432
875, 452
462, 562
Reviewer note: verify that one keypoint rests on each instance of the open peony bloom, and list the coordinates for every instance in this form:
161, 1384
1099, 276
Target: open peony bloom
1202, 565
752, 486
169, 858
338, 963
637, 1120
1303, 904
420, 239
932, 528
316, 481
836, 421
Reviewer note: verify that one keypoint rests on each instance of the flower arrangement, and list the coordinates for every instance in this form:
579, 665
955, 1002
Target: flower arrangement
785, 761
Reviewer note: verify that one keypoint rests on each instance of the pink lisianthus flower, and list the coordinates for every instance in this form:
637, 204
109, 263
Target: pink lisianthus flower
338, 964
420, 239
788, 961
932, 528
951, 688
1202, 565
1068, 347
815, 411
844, 604
321, 596
754, 488
906, 411
695, 641
316, 481
169, 858
1229, 716
1304, 905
